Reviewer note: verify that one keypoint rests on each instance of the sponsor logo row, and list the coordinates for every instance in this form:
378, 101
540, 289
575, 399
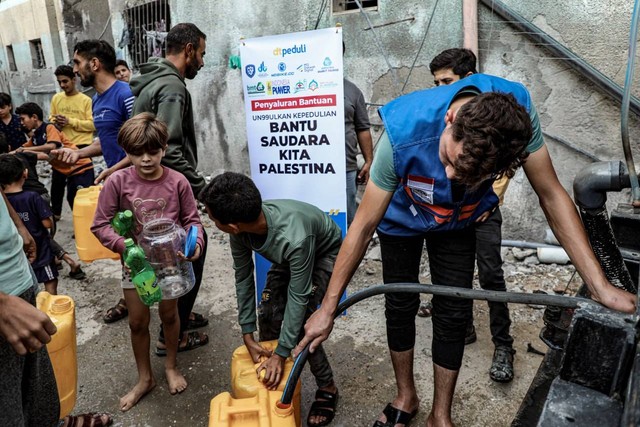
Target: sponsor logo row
281, 69
285, 87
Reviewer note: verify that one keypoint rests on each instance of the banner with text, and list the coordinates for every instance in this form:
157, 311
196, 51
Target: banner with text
293, 92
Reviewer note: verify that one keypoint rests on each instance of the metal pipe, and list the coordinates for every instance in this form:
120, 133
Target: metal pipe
624, 114
447, 291
607, 85
526, 245
626, 253
470, 25
592, 183
571, 146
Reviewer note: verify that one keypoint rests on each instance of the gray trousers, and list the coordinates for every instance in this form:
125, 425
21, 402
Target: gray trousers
28, 391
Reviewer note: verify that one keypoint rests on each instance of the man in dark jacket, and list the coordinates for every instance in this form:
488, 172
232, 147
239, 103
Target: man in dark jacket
161, 89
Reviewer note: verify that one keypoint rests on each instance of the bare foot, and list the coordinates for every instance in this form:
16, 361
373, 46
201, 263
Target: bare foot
433, 422
138, 391
177, 382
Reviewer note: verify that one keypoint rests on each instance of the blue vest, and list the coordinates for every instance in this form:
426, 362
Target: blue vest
423, 201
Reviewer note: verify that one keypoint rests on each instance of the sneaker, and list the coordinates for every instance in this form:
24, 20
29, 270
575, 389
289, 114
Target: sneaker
502, 365
426, 309
470, 336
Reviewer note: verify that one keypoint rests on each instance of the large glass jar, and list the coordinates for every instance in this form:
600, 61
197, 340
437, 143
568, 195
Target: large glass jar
161, 240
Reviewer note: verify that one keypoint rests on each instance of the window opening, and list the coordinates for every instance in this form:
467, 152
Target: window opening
37, 54
11, 58
145, 32
342, 6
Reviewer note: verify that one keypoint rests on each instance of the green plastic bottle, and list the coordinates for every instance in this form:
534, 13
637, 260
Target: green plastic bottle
142, 274
122, 223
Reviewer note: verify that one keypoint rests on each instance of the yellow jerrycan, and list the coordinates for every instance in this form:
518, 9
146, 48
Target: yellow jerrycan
84, 208
245, 382
62, 348
258, 411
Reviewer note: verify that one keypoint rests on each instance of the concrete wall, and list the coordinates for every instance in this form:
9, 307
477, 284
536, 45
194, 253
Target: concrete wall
20, 22
569, 106
86, 19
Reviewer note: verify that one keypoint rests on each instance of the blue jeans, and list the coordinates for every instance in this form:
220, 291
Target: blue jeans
352, 191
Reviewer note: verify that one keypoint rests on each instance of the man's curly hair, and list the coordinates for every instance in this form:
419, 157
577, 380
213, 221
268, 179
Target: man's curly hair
494, 130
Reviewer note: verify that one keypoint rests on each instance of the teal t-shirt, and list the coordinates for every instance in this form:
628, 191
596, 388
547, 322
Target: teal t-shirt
15, 274
299, 236
383, 172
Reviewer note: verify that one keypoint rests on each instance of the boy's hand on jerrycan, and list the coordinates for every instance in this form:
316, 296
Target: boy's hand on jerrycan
272, 366
270, 371
255, 350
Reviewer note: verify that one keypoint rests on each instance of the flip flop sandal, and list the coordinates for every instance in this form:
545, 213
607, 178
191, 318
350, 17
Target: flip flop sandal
119, 311
323, 408
198, 321
395, 416
78, 274
194, 340
88, 420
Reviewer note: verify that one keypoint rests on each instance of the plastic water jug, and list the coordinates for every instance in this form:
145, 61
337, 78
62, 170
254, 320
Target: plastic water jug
161, 240
245, 383
84, 208
257, 411
62, 348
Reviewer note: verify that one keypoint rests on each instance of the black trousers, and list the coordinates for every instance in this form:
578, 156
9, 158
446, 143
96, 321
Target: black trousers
273, 305
491, 276
451, 262
72, 183
28, 390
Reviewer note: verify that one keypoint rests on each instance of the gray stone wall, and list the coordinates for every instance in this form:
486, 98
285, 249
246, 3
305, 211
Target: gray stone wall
570, 107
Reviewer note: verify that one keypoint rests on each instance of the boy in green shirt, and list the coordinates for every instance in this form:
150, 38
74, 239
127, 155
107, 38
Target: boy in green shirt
302, 243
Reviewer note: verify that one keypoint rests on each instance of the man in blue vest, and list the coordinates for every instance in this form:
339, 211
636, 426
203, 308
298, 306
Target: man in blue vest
448, 67
430, 181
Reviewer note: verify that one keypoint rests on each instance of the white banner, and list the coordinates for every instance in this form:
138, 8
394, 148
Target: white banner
294, 103
293, 92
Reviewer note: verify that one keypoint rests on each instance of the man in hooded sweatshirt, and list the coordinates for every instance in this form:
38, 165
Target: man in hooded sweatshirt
161, 89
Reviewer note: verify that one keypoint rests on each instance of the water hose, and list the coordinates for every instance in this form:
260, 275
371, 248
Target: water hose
447, 291
590, 189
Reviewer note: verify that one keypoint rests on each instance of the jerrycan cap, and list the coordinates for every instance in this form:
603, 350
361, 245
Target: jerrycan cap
190, 242
128, 214
283, 409
61, 305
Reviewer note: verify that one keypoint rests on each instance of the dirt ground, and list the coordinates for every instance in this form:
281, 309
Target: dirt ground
357, 348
